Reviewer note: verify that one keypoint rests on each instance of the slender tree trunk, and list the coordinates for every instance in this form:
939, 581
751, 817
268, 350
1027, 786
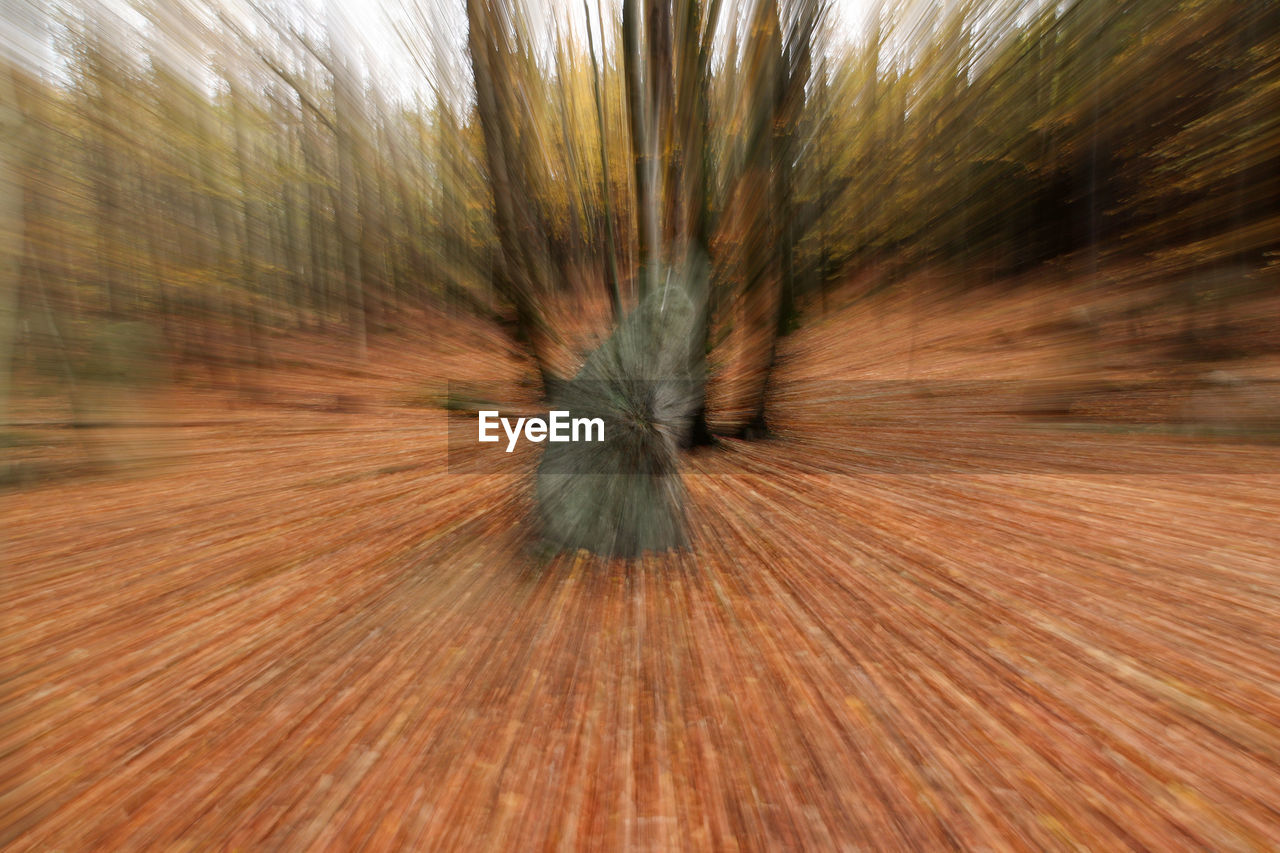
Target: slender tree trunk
106, 185
12, 157
643, 142
251, 249
611, 254
349, 221
317, 254
695, 85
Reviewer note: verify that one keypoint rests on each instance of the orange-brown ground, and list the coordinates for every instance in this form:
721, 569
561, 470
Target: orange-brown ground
278, 623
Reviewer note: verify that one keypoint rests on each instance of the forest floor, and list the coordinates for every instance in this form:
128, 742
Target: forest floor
272, 619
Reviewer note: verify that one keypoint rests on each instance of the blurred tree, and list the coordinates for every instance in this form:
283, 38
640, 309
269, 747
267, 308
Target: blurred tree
13, 139
522, 266
611, 252
778, 68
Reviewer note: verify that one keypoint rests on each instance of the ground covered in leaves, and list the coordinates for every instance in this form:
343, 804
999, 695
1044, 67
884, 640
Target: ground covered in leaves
270, 618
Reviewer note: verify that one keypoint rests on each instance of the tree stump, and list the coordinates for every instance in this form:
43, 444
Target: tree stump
623, 496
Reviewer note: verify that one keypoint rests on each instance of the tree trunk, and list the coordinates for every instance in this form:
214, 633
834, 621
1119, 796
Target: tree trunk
780, 75
348, 213
643, 145
519, 265
611, 254
12, 157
